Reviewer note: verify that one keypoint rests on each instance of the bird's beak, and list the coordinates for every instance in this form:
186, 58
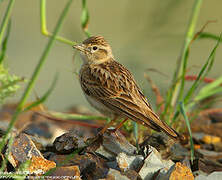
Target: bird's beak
79, 47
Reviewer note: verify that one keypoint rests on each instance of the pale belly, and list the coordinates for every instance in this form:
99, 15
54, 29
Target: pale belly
100, 107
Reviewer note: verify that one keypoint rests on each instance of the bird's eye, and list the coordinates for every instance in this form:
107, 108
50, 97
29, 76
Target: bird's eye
94, 48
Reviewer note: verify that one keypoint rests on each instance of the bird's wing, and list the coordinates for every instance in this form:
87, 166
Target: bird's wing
114, 86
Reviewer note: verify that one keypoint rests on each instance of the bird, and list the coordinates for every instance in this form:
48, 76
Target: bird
111, 88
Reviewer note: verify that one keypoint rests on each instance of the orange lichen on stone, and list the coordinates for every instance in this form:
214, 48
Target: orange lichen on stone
181, 172
40, 165
208, 139
197, 146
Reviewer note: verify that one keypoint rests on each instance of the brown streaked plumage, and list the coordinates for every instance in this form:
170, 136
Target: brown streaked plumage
111, 89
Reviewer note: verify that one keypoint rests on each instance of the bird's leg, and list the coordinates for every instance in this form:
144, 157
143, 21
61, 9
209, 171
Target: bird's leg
95, 141
120, 125
107, 126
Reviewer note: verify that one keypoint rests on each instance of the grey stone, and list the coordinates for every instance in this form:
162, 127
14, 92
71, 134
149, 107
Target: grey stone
114, 174
212, 176
178, 152
164, 173
198, 173
130, 162
154, 163
198, 135
68, 142
107, 154
22, 150
209, 153
117, 143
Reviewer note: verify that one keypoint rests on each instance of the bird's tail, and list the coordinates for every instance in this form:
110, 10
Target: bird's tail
160, 125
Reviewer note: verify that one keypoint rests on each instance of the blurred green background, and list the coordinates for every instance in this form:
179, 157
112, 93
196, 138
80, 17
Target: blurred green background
143, 34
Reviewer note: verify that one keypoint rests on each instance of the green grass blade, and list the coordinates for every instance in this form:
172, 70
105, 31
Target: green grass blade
183, 112
43, 17
184, 69
5, 42
85, 18
209, 90
202, 74
181, 81
45, 96
22, 170
6, 19
169, 98
69, 116
135, 133
206, 35
9, 147
43, 24
212, 85
169, 105
210, 93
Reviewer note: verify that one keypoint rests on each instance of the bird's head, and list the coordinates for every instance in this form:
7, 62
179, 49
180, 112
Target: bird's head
95, 50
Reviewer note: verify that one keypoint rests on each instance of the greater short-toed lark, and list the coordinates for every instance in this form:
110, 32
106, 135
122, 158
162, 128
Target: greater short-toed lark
111, 89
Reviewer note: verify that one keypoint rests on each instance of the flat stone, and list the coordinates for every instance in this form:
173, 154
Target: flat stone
107, 154
44, 132
216, 117
40, 129
117, 143
217, 147
109, 145
208, 166
23, 149
209, 147
67, 172
210, 154
68, 142
178, 152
